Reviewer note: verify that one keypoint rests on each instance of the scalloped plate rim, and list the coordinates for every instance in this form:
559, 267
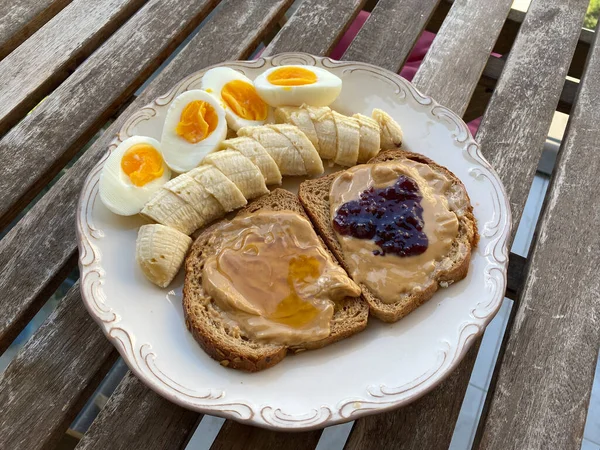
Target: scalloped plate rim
292, 425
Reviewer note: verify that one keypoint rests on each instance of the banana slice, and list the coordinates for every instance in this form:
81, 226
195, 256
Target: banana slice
300, 117
160, 251
308, 152
369, 138
256, 153
195, 194
322, 119
390, 131
348, 140
286, 156
215, 182
239, 169
171, 210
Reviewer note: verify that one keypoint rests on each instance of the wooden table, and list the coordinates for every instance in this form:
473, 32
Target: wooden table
68, 72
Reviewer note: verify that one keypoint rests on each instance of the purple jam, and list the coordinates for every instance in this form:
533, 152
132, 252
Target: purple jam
392, 217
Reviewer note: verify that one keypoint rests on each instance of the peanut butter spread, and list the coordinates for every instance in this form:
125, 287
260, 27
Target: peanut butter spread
271, 276
398, 255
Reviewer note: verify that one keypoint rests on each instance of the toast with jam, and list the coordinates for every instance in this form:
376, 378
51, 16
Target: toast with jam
401, 226
237, 308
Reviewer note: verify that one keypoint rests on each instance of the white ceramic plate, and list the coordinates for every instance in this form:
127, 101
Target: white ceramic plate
386, 366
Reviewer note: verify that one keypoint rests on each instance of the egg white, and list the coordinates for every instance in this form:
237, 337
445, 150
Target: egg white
320, 93
181, 155
213, 82
117, 192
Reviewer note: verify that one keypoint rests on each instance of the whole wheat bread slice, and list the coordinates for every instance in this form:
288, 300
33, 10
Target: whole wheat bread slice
229, 345
314, 196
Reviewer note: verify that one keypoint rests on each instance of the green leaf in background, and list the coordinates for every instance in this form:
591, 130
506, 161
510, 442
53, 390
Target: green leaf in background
592, 14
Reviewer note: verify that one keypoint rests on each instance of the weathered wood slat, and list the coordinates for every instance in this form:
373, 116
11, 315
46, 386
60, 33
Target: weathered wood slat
454, 63
548, 367
51, 378
315, 27
516, 123
493, 70
515, 126
516, 18
383, 39
136, 418
424, 424
235, 436
47, 232
42, 143
511, 29
20, 19
411, 427
42, 62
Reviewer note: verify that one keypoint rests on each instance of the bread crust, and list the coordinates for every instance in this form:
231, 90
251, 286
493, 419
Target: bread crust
314, 196
229, 346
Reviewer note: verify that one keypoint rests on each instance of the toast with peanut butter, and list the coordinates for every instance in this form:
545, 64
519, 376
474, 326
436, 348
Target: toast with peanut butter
401, 256
232, 299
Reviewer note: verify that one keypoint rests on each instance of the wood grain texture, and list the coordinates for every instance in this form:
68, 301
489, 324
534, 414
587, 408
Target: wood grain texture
54, 132
20, 19
44, 240
411, 427
548, 368
493, 70
516, 123
135, 418
50, 379
235, 436
390, 32
424, 424
454, 63
43, 61
315, 27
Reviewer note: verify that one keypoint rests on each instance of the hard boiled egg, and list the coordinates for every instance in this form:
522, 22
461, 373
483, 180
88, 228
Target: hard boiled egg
243, 106
133, 172
194, 127
295, 85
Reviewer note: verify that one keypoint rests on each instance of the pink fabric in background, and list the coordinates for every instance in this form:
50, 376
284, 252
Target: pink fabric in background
412, 63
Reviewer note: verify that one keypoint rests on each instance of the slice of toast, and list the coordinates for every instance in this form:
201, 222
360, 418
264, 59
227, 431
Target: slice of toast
228, 344
314, 196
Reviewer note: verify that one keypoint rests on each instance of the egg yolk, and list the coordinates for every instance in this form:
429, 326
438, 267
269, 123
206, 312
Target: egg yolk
142, 163
242, 99
198, 120
292, 76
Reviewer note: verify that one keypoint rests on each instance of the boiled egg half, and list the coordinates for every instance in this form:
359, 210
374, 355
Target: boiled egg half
133, 172
194, 127
296, 85
243, 106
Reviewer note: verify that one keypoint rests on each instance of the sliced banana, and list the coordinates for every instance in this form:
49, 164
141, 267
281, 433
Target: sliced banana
298, 116
160, 251
169, 209
369, 138
256, 153
286, 156
239, 169
348, 140
308, 152
322, 118
195, 194
215, 182
390, 131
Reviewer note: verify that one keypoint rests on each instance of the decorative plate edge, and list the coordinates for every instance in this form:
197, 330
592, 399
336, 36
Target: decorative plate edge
140, 359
